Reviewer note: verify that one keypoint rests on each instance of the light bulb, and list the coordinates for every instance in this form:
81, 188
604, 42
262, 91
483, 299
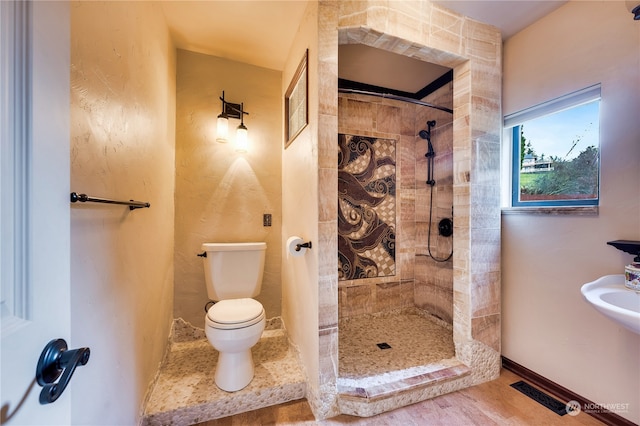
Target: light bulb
222, 128
242, 138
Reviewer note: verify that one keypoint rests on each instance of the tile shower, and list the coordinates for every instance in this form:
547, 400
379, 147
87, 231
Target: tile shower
427, 32
414, 279
390, 287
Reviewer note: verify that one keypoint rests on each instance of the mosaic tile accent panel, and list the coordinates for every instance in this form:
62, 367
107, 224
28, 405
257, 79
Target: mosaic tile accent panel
366, 207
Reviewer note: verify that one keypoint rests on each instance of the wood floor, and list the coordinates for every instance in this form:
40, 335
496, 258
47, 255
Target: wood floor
492, 403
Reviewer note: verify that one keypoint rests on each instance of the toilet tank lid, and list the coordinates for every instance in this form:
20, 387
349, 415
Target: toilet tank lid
233, 246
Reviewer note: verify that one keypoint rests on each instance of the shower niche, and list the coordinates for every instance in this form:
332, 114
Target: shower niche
395, 208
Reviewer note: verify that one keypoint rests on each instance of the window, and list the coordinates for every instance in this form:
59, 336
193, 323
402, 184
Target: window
555, 151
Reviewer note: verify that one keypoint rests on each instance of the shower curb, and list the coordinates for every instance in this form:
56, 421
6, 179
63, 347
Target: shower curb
367, 401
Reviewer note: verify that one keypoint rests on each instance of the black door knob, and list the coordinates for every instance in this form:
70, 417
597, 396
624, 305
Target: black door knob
55, 361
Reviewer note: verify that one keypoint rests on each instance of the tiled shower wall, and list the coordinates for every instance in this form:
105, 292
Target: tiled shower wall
418, 281
433, 288
382, 118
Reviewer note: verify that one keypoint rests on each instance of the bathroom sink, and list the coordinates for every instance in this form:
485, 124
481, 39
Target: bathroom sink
612, 299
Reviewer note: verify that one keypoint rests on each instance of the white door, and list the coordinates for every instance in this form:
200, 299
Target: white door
34, 203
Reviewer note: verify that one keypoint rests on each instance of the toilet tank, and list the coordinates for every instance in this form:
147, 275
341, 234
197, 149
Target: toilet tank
233, 270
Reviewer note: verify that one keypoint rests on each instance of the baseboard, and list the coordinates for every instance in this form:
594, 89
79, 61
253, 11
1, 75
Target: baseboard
564, 394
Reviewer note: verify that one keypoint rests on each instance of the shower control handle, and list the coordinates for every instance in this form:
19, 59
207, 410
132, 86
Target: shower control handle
445, 227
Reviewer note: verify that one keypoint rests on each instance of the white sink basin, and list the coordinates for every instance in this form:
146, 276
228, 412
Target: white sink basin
611, 298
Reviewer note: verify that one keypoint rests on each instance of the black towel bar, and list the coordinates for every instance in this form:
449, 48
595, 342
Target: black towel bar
83, 198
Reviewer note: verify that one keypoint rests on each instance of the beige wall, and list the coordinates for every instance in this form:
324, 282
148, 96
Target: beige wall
300, 211
221, 195
548, 327
122, 147
418, 281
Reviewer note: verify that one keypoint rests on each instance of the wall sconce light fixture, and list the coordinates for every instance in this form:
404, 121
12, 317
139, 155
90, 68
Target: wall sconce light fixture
634, 8
231, 110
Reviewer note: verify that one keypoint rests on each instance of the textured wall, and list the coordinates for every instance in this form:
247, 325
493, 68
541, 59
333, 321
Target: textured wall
546, 259
221, 195
122, 147
303, 298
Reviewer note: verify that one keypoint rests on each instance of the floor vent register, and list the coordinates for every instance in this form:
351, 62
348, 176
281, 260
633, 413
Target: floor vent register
560, 408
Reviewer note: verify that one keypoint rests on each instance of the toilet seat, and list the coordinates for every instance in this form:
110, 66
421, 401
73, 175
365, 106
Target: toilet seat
235, 313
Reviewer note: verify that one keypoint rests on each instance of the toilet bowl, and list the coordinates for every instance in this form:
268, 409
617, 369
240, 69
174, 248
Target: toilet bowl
233, 327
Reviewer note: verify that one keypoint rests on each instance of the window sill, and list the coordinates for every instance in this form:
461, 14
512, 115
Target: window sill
552, 211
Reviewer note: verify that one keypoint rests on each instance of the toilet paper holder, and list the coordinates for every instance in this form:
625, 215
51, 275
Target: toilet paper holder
303, 245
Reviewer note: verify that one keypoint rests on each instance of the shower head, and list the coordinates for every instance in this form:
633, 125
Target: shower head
426, 133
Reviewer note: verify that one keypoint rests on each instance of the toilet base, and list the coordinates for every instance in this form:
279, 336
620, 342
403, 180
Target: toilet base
234, 371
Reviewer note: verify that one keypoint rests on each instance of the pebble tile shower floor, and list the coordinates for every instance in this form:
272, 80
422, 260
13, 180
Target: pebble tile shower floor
395, 359
415, 340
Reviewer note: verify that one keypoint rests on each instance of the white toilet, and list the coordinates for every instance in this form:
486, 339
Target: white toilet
234, 324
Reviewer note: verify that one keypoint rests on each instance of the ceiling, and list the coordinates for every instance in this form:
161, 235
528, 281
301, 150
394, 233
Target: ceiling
355, 62
255, 32
260, 32
510, 16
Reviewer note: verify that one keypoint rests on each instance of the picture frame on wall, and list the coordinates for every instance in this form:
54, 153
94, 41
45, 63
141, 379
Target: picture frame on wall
296, 102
